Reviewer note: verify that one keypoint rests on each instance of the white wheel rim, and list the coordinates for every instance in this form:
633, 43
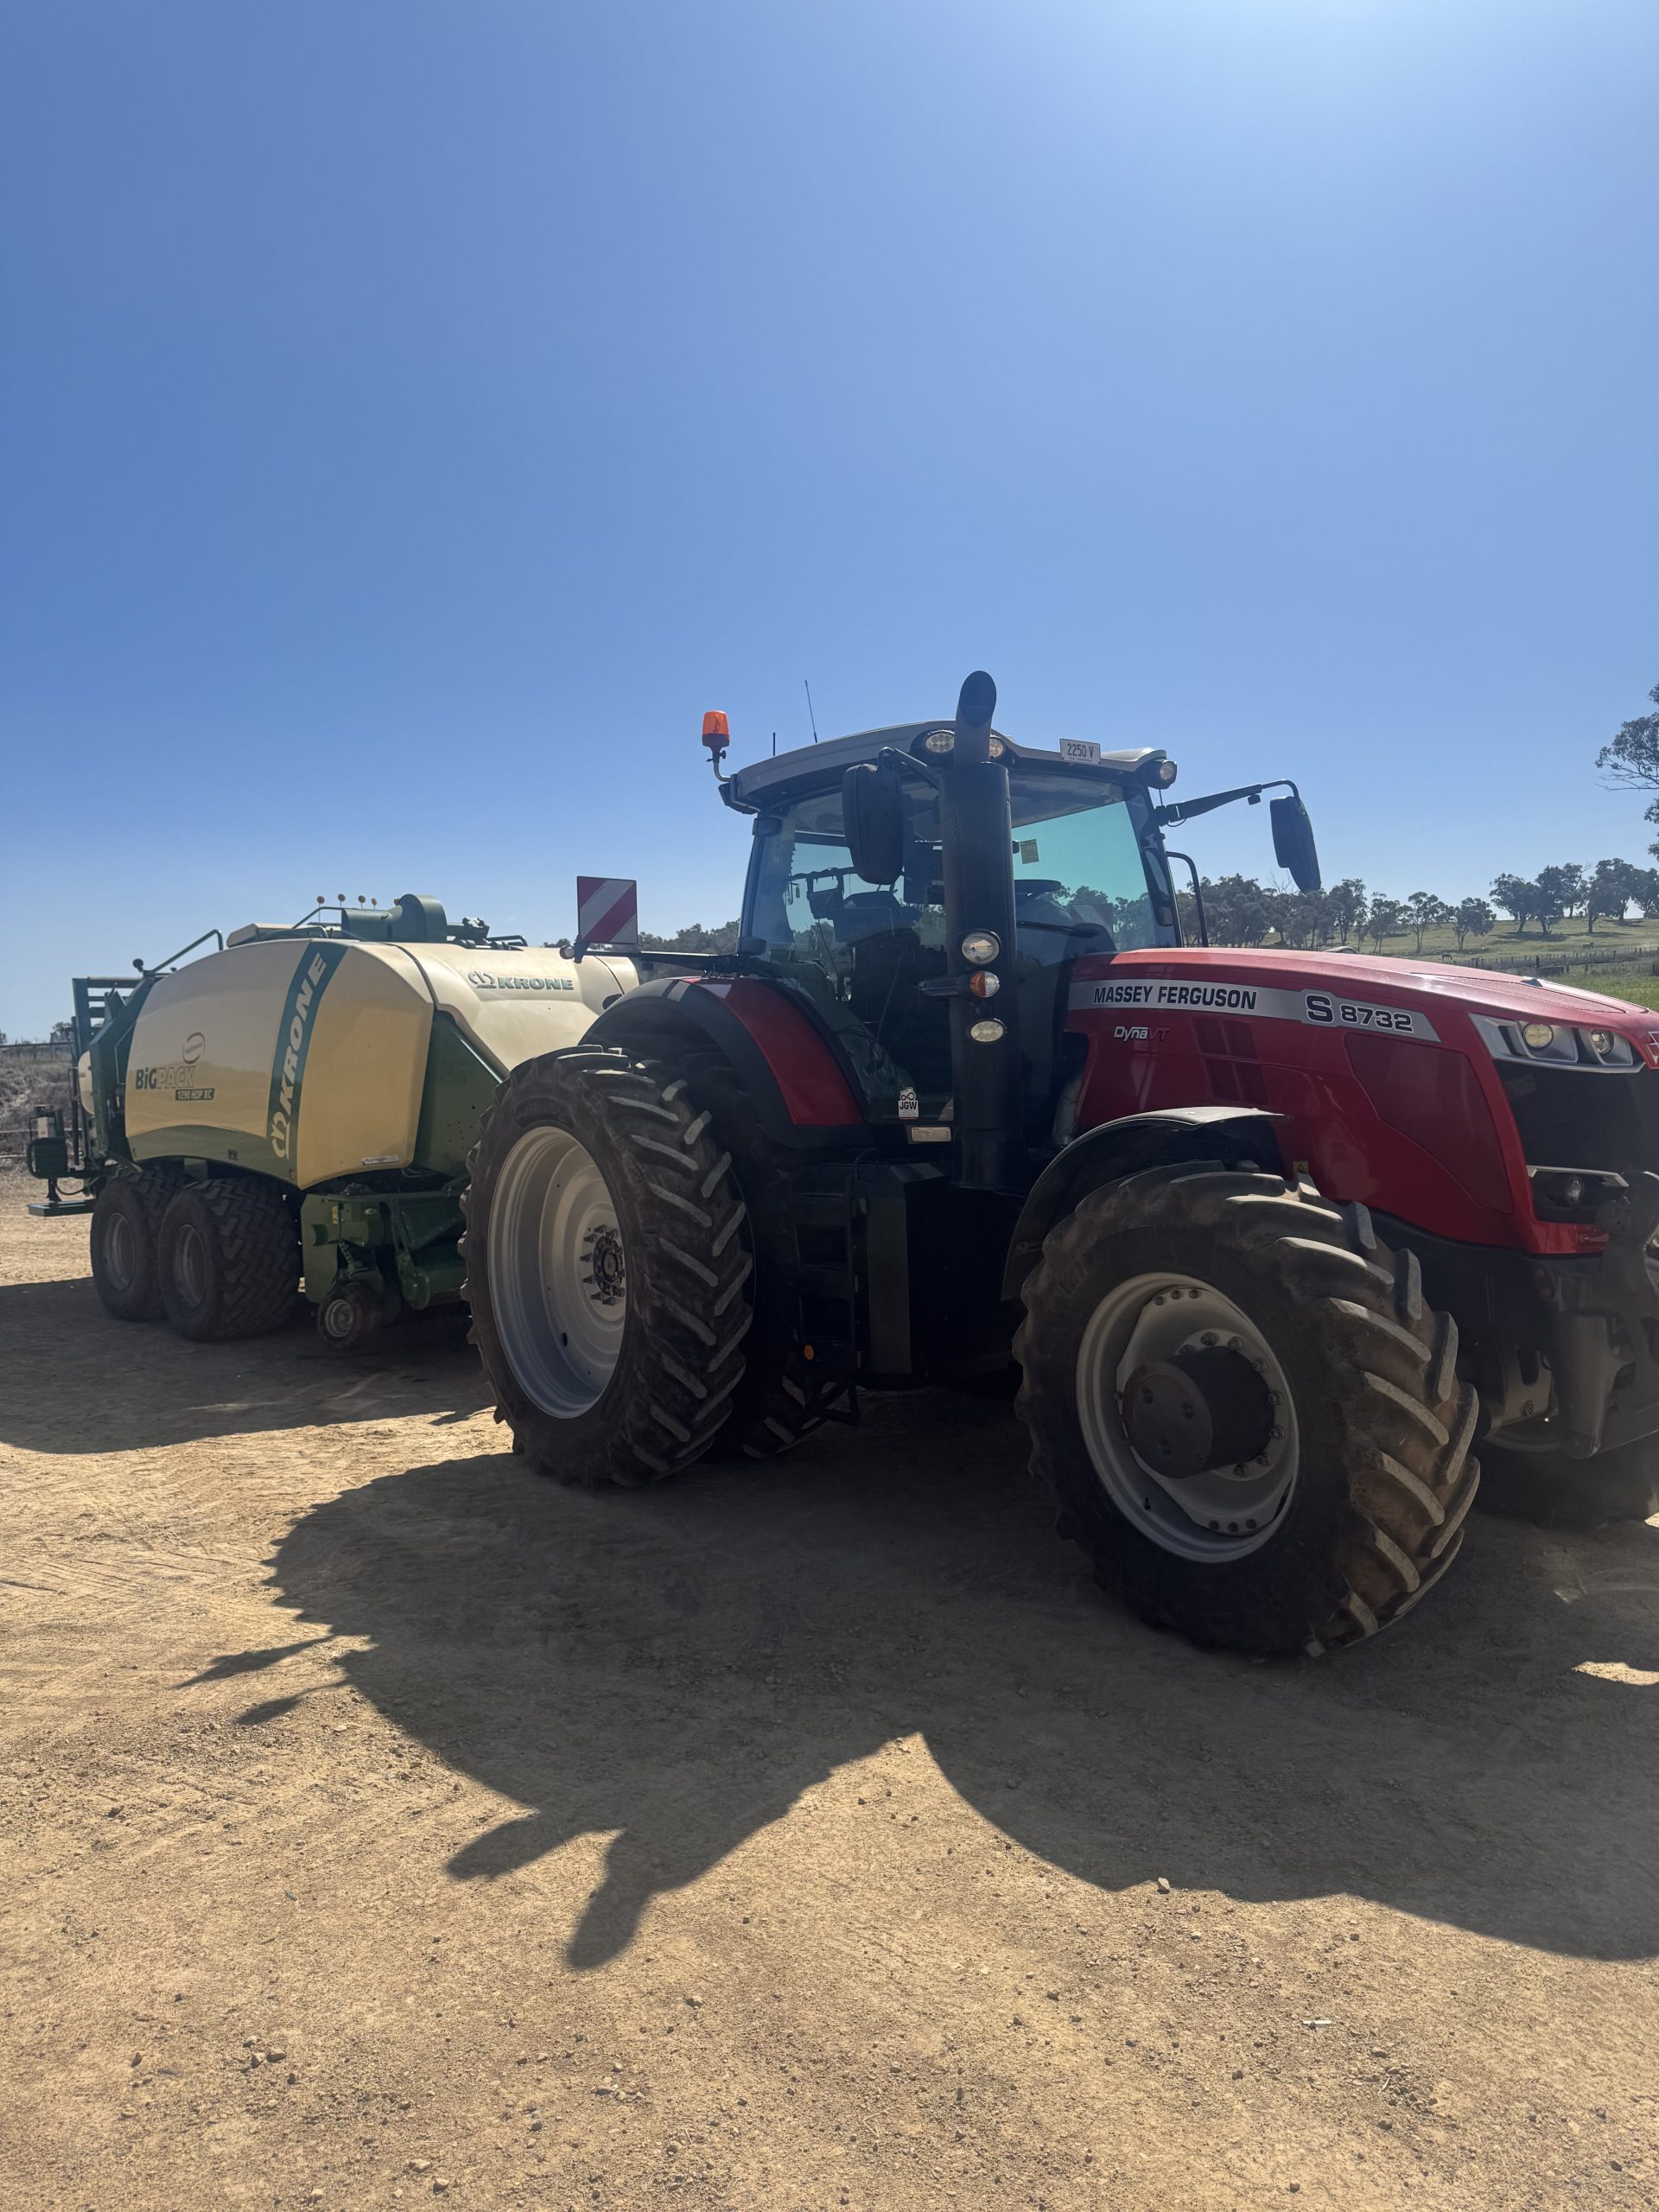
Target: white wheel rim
558, 1280
1221, 1514
190, 1264
120, 1251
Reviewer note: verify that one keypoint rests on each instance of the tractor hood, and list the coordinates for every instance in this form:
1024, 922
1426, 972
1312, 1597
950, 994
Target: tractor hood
1473, 991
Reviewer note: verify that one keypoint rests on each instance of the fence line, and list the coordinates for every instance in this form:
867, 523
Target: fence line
1556, 961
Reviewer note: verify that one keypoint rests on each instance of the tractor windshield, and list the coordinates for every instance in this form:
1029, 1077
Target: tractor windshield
860, 951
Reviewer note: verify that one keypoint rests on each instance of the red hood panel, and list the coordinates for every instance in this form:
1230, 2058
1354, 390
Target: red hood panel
1358, 974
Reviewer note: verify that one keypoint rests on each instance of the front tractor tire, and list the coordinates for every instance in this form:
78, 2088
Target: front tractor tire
607, 1268
1253, 1420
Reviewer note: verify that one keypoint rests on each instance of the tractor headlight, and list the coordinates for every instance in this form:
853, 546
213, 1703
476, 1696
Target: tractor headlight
1559, 1045
939, 741
984, 983
979, 947
987, 1032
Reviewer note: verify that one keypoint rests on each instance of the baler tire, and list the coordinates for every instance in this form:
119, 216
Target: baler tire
1553, 1492
126, 1216
248, 1258
1384, 1482
688, 1269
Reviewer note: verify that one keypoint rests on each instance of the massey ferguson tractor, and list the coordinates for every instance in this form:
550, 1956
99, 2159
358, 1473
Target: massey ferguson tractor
1276, 1240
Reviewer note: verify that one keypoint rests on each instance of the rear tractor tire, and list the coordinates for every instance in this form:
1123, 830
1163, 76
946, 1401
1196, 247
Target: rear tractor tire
781, 1399
1553, 1491
126, 1215
608, 1268
1254, 1421
228, 1260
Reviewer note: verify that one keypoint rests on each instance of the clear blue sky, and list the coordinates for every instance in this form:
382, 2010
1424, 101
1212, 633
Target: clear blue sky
415, 414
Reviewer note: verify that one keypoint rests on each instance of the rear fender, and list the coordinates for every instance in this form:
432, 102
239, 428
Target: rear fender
1237, 1135
793, 1078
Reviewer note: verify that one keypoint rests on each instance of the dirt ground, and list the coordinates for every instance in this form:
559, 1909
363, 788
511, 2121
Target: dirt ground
384, 1824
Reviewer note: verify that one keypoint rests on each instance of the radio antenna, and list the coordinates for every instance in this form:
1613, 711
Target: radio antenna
811, 716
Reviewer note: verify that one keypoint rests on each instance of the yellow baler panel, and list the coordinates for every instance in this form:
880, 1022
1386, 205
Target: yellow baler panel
361, 1102
201, 1055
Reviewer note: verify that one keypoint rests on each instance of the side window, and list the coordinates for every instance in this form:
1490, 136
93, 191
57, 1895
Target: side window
860, 951
1077, 867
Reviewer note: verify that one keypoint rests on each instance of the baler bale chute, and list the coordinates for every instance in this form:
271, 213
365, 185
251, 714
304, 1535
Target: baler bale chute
1275, 1239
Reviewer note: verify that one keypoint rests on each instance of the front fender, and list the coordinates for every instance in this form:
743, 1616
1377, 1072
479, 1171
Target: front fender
1237, 1135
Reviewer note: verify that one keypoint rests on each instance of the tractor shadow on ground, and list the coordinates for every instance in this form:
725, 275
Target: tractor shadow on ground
154, 1390
678, 1665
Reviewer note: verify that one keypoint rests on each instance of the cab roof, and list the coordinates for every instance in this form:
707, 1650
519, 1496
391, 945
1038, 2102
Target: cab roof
753, 786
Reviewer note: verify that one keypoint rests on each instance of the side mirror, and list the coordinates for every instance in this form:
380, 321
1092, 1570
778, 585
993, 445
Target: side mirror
873, 812
1293, 843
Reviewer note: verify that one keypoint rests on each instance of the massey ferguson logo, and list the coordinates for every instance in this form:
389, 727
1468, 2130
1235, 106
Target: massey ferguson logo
287, 1071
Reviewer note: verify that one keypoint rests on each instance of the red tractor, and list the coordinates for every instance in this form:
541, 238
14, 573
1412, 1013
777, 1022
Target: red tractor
1275, 1239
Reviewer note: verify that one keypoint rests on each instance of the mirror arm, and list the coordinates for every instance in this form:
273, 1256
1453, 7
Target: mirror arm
1173, 816
907, 762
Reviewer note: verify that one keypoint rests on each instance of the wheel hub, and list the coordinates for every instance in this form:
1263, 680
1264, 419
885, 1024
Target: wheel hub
1205, 1407
1187, 1415
606, 1271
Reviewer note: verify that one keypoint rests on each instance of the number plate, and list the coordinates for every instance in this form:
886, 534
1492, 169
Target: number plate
1080, 748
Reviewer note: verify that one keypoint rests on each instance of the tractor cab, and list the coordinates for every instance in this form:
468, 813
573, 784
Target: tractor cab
872, 958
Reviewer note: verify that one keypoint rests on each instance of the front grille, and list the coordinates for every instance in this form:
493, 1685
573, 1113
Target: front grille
1568, 1117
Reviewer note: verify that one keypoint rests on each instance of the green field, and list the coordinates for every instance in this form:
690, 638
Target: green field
1629, 975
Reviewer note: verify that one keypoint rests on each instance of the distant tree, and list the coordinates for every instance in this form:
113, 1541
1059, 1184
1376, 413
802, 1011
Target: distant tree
1516, 896
694, 937
1347, 905
1472, 918
1632, 759
1302, 917
1237, 909
1644, 889
1387, 917
1610, 890
1555, 888
1427, 912
1572, 886
63, 1033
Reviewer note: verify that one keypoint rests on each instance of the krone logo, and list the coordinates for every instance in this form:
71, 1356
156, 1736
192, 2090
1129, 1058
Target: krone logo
288, 1072
194, 1046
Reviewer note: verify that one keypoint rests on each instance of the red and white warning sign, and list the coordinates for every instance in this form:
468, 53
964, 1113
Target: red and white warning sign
607, 910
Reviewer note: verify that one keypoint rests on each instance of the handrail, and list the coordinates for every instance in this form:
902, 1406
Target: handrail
148, 969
